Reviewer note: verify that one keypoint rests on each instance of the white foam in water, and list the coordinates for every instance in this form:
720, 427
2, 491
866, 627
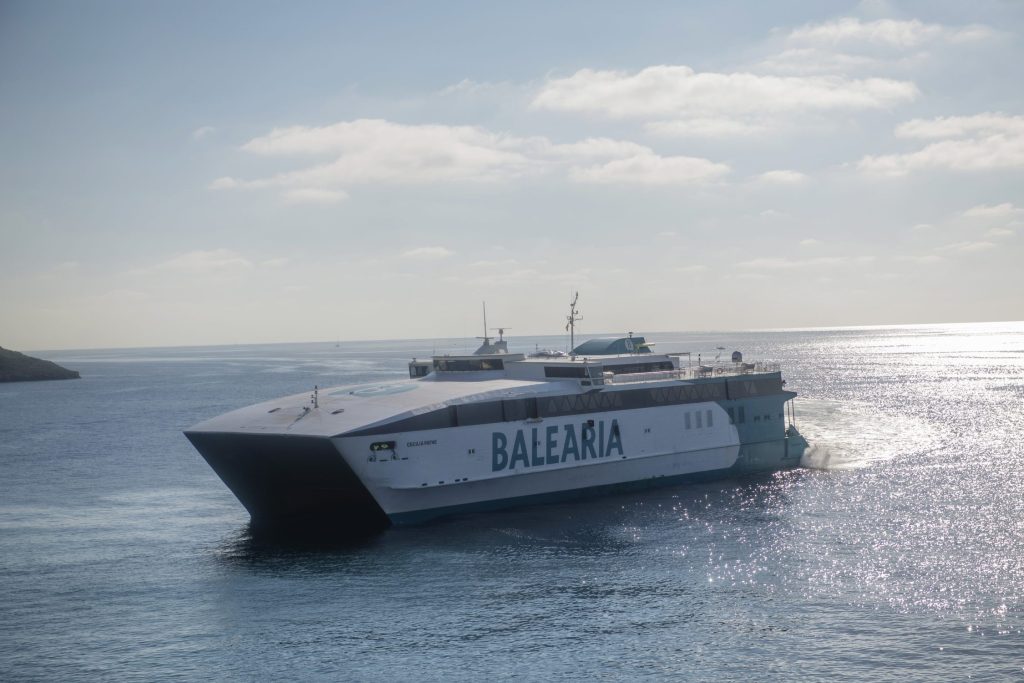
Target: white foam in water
850, 434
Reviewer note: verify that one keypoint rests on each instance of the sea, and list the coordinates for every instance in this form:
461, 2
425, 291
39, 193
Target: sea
894, 553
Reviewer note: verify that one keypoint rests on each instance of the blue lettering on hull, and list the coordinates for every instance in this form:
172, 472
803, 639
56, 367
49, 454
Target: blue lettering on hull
600, 441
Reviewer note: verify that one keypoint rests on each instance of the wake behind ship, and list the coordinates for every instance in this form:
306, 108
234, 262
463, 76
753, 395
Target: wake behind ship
497, 429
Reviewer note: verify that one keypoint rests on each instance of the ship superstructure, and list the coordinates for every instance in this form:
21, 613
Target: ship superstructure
492, 430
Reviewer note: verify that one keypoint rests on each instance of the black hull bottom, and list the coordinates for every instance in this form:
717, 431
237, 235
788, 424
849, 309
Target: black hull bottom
291, 482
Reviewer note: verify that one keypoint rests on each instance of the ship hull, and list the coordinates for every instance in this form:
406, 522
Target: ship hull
342, 484
748, 459
289, 482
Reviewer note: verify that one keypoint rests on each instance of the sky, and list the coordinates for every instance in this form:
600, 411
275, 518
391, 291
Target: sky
190, 173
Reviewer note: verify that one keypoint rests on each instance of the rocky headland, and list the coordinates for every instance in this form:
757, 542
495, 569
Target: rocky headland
17, 367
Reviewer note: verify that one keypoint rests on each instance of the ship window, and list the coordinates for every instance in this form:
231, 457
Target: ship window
732, 416
687, 418
382, 446
634, 368
468, 364
532, 411
710, 421
514, 410
565, 371
743, 414
700, 422
478, 413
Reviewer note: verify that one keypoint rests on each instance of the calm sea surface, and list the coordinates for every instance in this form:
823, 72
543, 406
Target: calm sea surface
897, 553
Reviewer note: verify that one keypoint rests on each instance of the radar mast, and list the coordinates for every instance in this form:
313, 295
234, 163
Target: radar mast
572, 319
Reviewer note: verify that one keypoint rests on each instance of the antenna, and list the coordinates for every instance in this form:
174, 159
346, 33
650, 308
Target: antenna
487, 340
572, 319
501, 331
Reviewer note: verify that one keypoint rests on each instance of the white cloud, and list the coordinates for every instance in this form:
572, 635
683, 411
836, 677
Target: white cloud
999, 233
965, 143
968, 247
690, 269
789, 264
812, 60
427, 253
1004, 210
922, 258
224, 183
923, 226
495, 265
590, 148
706, 128
659, 92
313, 195
376, 151
810, 242
984, 124
373, 150
782, 177
202, 132
468, 86
650, 169
206, 261
902, 34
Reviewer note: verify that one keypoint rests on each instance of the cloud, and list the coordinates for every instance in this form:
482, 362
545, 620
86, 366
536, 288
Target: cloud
777, 264
427, 253
790, 264
848, 45
706, 128
202, 132
203, 261
690, 269
313, 195
810, 242
495, 265
224, 183
679, 92
782, 177
985, 124
895, 33
999, 233
922, 258
650, 169
968, 247
374, 150
368, 151
812, 60
923, 226
1004, 210
982, 142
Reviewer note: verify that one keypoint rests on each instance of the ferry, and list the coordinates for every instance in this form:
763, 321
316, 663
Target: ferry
495, 429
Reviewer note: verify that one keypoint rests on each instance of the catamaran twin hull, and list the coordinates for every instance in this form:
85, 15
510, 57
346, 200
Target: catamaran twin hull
445, 443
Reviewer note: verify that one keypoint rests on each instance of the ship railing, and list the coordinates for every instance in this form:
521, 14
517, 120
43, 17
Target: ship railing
693, 372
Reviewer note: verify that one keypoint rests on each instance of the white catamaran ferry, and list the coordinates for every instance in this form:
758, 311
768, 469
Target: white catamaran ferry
496, 429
